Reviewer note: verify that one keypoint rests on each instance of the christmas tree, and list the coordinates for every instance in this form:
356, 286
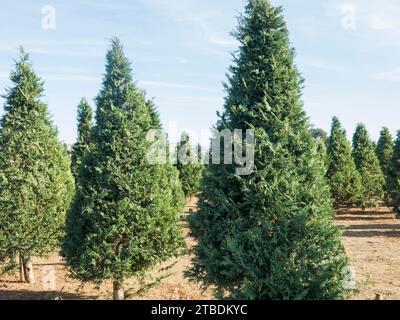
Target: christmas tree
270, 234
35, 178
124, 217
343, 177
384, 150
321, 137
393, 177
189, 166
85, 126
367, 164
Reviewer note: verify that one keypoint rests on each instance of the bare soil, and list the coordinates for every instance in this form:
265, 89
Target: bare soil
167, 282
372, 242
371, 239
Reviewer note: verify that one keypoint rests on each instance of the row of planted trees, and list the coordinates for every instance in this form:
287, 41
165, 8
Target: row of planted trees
366, 174
114, 214
268, 235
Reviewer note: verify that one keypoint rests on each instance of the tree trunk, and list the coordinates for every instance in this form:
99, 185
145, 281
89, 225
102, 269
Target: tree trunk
118, 290
21, 269
28, 271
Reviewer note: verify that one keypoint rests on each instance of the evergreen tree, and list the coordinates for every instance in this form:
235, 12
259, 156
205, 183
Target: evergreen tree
367, 164
393, 177
384, 150
155, 116
322, 153
268, 235
343, 177
35, 179
85, 126
189, 167
321, 136
124, 217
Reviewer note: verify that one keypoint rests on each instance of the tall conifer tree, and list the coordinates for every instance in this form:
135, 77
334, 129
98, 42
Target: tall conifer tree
189, 166
36, 183
384, 150
321, 136
268, 235
125, 213
393, 178
85, 126
367, 164
343, 177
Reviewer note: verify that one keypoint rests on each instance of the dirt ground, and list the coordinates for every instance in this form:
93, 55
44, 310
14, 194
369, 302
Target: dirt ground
53, 283
372, 242
371, 239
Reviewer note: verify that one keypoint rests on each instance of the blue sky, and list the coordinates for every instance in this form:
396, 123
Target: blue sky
347, 51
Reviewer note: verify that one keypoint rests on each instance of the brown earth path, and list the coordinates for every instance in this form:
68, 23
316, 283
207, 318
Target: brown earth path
372, 243
371, 239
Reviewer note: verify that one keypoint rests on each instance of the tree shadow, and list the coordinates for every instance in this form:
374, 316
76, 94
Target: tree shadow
5, 282
362, 218
54, 264
371, 234
365, 213
41, 295
376, 227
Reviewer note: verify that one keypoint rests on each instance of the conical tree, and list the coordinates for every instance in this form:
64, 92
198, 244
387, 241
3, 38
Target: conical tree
189, 167
124, 217
155, 116
35, 178
85, 126
321, 137
343, 177
367, 164
270, 234
393, 177
322, 153
384, 150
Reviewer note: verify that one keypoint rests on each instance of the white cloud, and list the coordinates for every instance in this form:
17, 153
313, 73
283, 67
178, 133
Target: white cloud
190, 100
322, 65
72, 77
172, 85
61, 74
381, 23
188, 13
66, 52
78, 48
389, 76
205, 23
221, 41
